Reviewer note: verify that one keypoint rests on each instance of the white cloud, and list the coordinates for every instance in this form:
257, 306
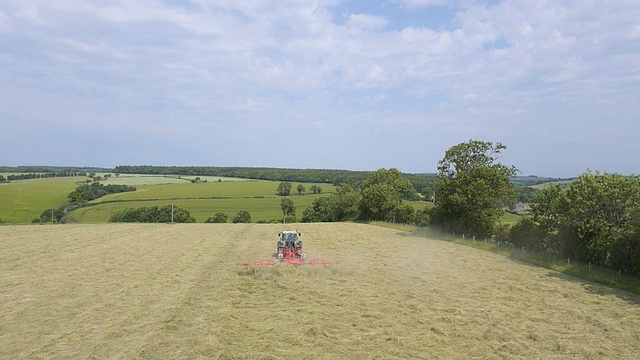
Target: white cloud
98, 48
421, 3
4, 22
634, 33
377, 73
30, 12
367, 22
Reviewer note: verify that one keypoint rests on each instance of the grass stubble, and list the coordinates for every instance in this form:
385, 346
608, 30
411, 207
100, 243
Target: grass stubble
175, 291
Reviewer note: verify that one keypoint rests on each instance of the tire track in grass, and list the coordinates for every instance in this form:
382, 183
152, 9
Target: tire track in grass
170, 281
167, 338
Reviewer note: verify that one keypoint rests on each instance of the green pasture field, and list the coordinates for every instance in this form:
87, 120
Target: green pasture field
188, 190
420, 205
544, 185
509, 218
260, 208
21, 201
178, 291
203, 200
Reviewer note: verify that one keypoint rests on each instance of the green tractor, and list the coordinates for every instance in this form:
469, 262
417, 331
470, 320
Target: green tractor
289, 246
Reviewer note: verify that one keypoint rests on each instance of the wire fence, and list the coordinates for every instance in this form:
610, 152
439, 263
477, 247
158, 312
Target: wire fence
553, 261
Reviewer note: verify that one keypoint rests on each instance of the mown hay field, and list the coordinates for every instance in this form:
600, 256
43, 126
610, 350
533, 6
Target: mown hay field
152, 291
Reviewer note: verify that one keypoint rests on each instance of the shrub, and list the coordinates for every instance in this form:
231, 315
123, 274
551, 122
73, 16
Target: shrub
219, 218
526, 233
153, 214
242, 216
422, 217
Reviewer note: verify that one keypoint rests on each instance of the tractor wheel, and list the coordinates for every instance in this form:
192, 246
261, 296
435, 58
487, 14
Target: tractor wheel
280, 247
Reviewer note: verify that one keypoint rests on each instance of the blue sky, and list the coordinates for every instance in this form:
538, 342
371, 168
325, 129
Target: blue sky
356, 85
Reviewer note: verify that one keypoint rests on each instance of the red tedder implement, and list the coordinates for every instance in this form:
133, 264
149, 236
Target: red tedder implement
289, 251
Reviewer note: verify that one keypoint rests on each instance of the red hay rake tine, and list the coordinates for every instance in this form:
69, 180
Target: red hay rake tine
293, 261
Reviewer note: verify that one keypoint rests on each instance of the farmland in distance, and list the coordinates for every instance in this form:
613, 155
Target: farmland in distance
24, 200
153, 291
203, 200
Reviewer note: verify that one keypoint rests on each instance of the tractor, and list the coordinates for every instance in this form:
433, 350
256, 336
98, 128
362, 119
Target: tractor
289, 247
289, 251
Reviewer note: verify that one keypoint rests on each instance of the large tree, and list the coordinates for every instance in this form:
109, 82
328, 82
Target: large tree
382, 194
288, 208
472, 188
242, 216
345, 203
321, 210
284, 189
341, 206
595, 218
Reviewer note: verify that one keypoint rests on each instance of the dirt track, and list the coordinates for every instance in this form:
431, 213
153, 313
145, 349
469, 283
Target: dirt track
175, 291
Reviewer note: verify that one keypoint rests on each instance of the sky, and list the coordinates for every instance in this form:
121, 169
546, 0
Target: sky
326, 84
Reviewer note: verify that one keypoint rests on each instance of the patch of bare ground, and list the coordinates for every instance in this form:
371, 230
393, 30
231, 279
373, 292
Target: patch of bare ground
176, 291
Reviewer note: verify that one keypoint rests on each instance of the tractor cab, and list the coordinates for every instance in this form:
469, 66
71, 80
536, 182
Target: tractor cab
289, 236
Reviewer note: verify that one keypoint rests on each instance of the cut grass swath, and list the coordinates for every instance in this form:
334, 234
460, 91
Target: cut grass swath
151, 291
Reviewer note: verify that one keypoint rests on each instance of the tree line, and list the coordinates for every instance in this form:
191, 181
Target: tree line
381, 198
167, 214
52, 169
153, 214
595, 218
26, 176
285, 187
88, 192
